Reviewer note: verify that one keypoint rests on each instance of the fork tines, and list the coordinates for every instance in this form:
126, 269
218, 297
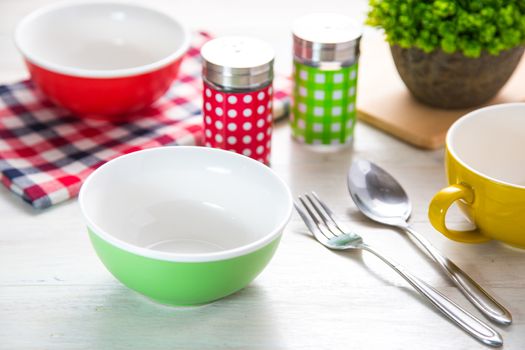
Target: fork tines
318, 217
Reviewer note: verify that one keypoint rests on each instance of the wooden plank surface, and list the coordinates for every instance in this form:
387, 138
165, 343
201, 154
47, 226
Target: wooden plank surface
385, 102
55, 293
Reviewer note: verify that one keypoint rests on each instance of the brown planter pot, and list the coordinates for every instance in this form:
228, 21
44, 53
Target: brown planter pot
453, 80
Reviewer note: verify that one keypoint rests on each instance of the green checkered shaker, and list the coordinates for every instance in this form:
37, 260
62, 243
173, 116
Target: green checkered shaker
326, 53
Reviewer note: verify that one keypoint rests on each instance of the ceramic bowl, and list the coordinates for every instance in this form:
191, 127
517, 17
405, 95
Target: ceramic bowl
185, 225
101, 59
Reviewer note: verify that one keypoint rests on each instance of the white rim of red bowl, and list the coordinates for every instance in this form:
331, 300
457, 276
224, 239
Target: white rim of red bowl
92, 73
177, 257
474, 114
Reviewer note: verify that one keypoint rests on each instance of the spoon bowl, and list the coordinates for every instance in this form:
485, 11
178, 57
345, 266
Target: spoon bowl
377, 194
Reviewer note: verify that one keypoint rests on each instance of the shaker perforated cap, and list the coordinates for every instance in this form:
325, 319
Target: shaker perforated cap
237, 62
326, 37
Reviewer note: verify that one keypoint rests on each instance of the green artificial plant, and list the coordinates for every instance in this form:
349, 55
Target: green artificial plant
467, 26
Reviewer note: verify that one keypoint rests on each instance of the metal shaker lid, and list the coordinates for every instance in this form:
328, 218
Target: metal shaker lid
237, 62
326, 37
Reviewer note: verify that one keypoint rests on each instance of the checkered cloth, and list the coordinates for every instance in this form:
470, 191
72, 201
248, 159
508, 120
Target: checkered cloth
46, 153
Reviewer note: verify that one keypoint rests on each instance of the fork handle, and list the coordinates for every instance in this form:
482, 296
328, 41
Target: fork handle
485, 303
465, 320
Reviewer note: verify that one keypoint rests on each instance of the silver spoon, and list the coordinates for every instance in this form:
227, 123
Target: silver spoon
380, 197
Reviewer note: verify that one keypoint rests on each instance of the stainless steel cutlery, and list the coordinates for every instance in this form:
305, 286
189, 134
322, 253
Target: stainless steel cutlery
321, 222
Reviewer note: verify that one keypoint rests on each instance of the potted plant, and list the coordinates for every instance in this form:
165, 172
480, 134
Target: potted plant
452, 53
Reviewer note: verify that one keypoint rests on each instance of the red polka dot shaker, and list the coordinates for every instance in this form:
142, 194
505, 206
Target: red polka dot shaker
237, 95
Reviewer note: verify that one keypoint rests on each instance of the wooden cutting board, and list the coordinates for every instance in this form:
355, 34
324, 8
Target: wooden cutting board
384, 102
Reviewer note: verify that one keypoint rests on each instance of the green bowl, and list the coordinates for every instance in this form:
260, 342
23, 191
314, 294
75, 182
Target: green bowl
185, 225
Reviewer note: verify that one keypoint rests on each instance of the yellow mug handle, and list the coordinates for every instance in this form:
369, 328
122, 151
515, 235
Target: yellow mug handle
438, 208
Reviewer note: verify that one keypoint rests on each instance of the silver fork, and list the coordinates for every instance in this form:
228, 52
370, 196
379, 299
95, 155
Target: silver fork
320, 221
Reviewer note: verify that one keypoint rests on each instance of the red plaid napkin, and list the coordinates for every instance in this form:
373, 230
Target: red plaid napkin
46, 153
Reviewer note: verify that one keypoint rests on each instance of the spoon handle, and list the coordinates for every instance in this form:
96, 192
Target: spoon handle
465, 320
482, 300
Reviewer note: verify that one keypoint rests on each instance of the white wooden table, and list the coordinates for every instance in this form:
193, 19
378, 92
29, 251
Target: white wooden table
55, 294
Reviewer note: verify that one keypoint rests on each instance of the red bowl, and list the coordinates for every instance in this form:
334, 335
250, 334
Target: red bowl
102, 59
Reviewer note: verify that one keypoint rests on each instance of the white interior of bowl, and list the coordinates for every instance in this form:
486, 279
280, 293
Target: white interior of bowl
186, 203
491, 142
100, 39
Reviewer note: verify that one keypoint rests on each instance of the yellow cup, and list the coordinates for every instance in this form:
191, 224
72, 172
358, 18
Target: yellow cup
485, 165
